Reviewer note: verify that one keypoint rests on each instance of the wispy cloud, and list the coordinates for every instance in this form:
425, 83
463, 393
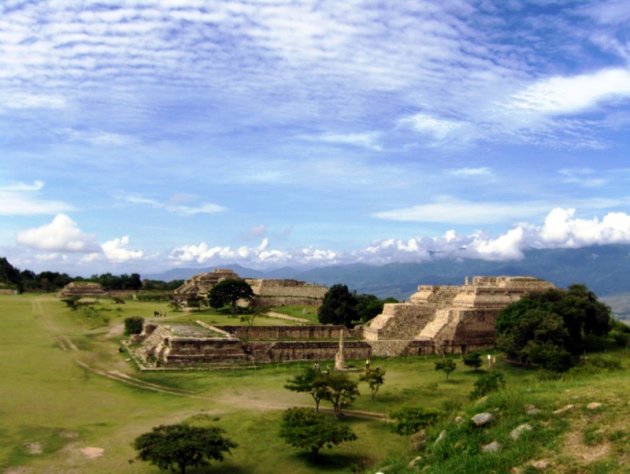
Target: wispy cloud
22, 199
370, 140
480, 172
586, 177
173, 205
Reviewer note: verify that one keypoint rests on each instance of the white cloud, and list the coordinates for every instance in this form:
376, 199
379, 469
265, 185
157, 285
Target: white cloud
61, 235
116, 250
174, 206
583, 177
569, 95
438, 128
98, 138
20, 199
447, 210
370, 140
472, 172
33, 101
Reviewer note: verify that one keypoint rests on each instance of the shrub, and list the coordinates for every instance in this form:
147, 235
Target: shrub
472, 359
446, 365
133, 325
487, 383
411, 419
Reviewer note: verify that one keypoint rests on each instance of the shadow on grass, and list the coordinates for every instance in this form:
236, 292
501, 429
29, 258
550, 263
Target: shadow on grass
331, 461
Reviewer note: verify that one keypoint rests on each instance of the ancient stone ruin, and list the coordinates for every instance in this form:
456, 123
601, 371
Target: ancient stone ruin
83, 289
447, 319
178, 346
267, 292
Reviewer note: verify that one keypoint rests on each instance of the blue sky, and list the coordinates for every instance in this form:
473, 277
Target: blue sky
141, 135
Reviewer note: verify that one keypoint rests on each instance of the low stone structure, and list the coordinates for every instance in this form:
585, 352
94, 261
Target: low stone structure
447, 319
193, 346
83, 289
267, 292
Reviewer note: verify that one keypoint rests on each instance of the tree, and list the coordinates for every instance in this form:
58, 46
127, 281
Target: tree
341, 391
230, 291
307, 429
180, 446
550, 329
338, 306
310, 381
472, 359
446, 365
134, 325
374, 378
368, 307
410, 420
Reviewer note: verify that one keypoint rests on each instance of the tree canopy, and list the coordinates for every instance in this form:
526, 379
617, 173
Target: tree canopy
338, 307
181, 446
307, 429
230, 291
550, 329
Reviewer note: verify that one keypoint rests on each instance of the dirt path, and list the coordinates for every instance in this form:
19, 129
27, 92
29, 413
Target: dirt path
273, 314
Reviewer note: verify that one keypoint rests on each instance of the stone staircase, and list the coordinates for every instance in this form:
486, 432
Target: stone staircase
441, 327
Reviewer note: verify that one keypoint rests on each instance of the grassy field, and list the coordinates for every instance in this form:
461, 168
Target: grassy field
51, 407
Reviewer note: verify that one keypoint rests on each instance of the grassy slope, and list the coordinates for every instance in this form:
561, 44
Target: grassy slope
46, 398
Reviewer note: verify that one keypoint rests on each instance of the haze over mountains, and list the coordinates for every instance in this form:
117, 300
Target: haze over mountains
604, 269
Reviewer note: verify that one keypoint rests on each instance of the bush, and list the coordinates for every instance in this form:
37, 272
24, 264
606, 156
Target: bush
447, 366
411, 419
472, 359
487, 383
134, 325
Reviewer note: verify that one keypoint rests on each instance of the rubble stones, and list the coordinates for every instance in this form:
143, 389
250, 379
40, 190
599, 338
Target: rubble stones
482, 419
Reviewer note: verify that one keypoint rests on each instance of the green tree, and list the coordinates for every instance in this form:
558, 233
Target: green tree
306, 429
472, 359
341, 391
134, 325
550, 329
230, 291
368, 307
375, 378
338, 307
310, 381
181, 446
446, 365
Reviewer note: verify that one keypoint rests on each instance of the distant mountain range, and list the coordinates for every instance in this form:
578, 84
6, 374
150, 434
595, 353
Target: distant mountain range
604, 269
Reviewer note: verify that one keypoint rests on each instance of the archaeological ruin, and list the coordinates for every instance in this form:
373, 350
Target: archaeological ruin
83, 289
267, 292
447, 318
443, 319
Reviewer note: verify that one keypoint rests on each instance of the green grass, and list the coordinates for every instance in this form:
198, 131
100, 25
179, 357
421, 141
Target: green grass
46, 398
302, 312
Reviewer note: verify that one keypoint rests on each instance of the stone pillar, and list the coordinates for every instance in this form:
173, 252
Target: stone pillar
340, 363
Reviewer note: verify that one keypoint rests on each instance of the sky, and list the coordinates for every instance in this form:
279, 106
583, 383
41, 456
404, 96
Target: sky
144, 135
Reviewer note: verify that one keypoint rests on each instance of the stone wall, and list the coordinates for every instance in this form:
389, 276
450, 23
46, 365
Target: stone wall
270, 292
280, 333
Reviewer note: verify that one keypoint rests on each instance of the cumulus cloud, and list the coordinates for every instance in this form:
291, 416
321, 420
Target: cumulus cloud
22, 199
61, 235
116, 250
561, 229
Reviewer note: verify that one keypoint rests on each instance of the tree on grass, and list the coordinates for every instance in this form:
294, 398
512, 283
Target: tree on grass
181, 446
230, 291
410, 420
550, 329
310, 381
338, 306
307, 429
340, 391
375, 378
472, 359
446, 365
134, 325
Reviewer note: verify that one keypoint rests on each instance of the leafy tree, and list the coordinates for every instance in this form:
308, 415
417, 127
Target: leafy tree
375, 378
229, 291
550, 329
446, 365
133, 325
340, 391
338, 307
310, 381
180, 446
307, 429
487, 383
410, 420
472, 359
368, 307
